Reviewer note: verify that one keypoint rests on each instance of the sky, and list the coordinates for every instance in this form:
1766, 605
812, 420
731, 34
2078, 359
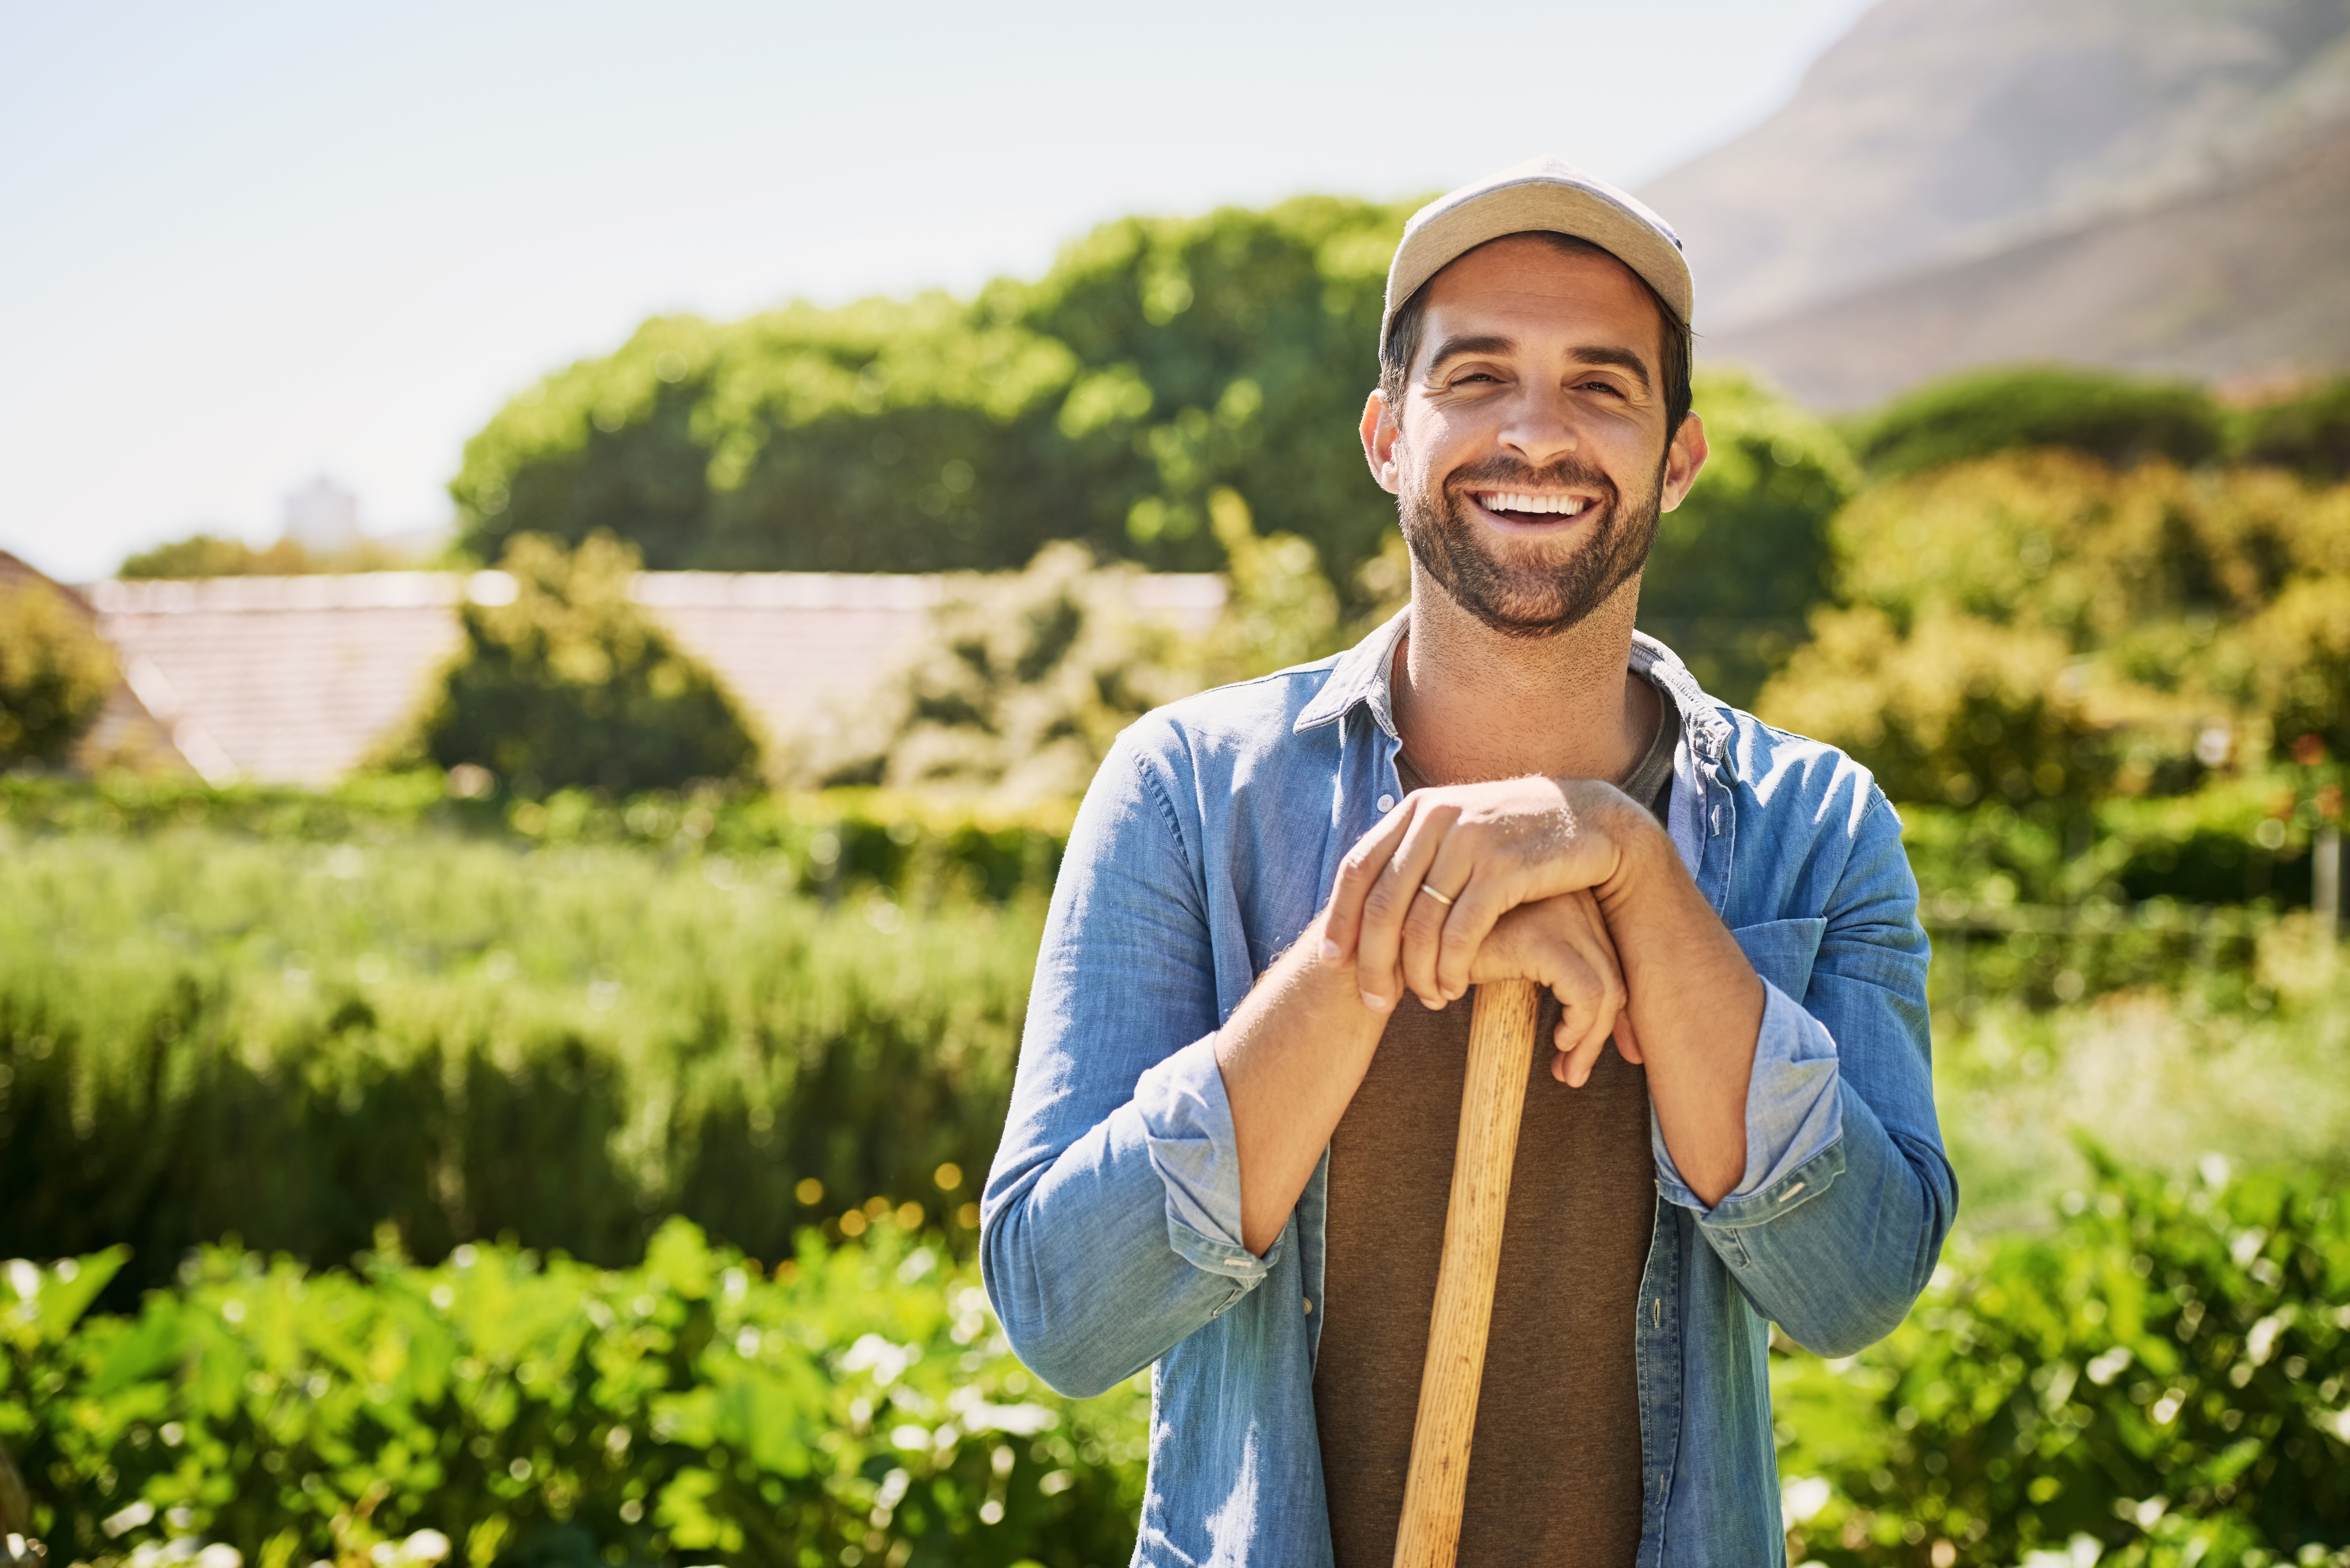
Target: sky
243, 244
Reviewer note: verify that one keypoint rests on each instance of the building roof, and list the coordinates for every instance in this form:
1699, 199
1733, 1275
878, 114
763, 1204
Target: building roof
298, 679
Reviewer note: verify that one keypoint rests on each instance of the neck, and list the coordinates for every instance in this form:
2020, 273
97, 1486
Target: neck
1473, 704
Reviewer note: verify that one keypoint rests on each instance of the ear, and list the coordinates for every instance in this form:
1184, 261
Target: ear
1379, 437
1684, 456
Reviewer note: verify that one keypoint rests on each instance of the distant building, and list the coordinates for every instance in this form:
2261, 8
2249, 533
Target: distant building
324, 518
298, 679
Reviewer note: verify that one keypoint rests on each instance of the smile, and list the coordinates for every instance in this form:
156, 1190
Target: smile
1530, 507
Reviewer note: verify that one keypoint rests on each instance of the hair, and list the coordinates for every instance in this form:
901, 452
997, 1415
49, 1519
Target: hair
1402, 345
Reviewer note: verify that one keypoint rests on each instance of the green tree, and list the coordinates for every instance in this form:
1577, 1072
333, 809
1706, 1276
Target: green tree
2309, 434
206, 555
1159, 360
1027, 678
2119, 419
1745, 558
2045, 626
569, 683
54, 672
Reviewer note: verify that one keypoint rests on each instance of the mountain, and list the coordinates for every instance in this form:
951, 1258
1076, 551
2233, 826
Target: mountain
2246, 280
1962, 179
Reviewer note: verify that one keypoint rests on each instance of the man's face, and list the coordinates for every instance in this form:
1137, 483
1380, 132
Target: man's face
1529, 459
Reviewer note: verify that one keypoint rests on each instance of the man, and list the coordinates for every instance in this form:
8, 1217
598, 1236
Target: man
1231, 1134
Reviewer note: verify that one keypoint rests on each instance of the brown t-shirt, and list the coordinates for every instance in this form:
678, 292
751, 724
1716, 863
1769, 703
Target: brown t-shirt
1554, 1469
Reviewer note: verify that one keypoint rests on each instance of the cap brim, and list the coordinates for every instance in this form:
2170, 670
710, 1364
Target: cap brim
1449, 229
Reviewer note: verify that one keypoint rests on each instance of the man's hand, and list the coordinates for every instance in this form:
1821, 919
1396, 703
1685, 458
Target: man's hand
1416, 899
1563, 943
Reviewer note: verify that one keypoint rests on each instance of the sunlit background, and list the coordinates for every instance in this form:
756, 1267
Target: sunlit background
563, 570
244, 245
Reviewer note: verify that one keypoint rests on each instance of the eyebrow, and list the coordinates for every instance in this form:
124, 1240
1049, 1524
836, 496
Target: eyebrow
1622, 359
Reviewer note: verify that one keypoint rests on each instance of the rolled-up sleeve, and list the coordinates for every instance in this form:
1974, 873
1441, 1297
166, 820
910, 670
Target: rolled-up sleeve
1794, 1114
1847, 1194
1187, 1125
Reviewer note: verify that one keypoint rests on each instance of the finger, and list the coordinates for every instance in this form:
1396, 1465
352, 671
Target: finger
1484, 898
1603, 1003
1429, 923
1389, 902
1356, 872
1628, 1045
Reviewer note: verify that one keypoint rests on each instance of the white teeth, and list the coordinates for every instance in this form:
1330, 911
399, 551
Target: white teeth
1515, 501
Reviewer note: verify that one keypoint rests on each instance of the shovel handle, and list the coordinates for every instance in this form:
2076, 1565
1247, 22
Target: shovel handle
1501, 1053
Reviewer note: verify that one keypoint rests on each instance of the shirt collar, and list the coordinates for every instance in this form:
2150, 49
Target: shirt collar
1364, 676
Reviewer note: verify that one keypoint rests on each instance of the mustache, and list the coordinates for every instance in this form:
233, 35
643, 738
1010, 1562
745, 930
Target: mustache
1501, 472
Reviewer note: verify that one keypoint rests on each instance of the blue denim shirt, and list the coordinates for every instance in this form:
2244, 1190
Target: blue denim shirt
1111, 1222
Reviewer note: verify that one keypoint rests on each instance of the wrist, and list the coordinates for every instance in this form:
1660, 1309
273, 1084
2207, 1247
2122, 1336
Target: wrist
1644, 851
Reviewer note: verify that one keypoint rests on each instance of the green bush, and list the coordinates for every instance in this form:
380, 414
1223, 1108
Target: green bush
918, 848
1743, 559
1026, 678
203, 1034
2309, 434
2118, 420
2041, 627
2164, 1374
570, 684
54, 672
207, 555
860, 1405
1156, 361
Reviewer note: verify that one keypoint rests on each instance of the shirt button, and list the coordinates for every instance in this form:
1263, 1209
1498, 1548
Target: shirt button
1309, 1306
1387, 803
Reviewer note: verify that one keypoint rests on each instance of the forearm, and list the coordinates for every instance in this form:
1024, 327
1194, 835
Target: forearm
1695, 1007
1292, 1057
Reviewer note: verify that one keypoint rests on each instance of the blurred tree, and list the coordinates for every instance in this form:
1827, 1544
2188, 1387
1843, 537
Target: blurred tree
1159, 360
1027, 680
1281, 610
2309, 434
1027, 677
2119, 419
54, 671
2043, 625
1744, 558
569, 683
203, 555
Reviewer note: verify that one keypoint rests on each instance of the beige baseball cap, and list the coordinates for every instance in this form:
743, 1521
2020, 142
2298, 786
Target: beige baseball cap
1541, 194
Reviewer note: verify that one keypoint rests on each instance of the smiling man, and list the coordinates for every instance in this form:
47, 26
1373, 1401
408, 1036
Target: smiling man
1231, 1134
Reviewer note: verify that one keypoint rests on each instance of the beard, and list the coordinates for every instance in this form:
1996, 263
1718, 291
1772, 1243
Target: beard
1525, 588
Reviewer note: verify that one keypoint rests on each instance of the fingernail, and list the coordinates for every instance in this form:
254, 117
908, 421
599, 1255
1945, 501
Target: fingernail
1375, 1001
1330, 950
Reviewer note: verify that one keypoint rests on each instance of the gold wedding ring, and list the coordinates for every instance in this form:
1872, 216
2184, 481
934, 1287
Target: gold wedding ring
1435, 895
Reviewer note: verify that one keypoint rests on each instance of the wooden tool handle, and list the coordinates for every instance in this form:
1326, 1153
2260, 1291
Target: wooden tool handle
1501, 1056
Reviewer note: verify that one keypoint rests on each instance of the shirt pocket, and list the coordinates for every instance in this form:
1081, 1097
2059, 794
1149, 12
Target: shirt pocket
1781, 951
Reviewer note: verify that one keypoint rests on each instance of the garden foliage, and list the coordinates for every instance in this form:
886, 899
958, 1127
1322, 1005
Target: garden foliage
2162, 1374
2038, 627
2309, 434
54, 671
852, 1405
203, 1034
2121, 420
1026, 678
1745, 558
2167, 1374
567, 682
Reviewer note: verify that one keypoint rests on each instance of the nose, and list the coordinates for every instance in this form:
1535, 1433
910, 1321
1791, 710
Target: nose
1540, 428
